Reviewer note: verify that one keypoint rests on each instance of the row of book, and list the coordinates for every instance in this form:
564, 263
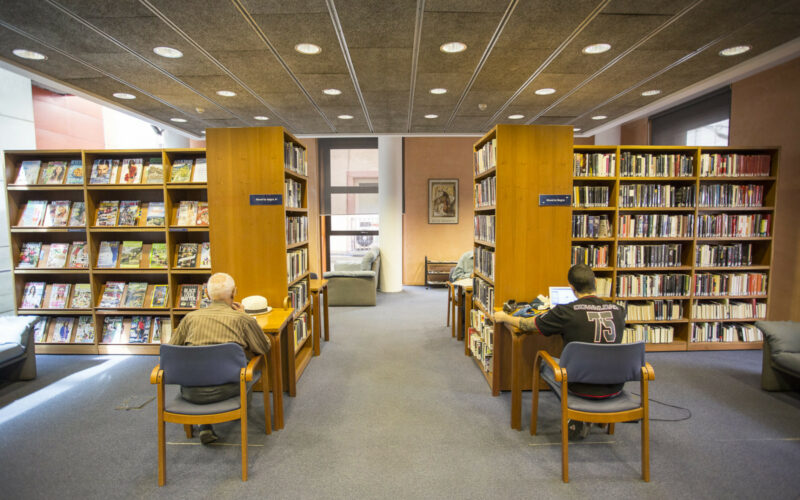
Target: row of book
483, 292
725, 332
734, 225
729, 309
484, 261
655, 195
136, 330
298, 295
652, 310
32, 172
590, 196
673, 225
294, 193
734, 165
137, 255
296, 229
485, 194
481, 350
731, 195
485, 158
129, 213
39, 255
294, 158
655, 165
594, 164
58, 213
133, 295
603, 286
664, 255
296, 263
711, 284
591, 226
591, 255
41, 295
730, 255
136, 171
484, 228
62, 329
652, 334
301, 330
655, 225
653, 285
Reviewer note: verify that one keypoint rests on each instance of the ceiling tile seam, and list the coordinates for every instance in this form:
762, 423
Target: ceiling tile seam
264, 38
337, 27
569, 39
141, 58
102, 72
484, 57
415, 60
166, 20
619, 57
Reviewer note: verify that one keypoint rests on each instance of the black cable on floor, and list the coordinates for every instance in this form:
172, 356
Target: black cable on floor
687, 410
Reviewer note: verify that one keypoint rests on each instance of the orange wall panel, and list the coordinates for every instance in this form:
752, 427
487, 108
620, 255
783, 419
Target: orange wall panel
66, 121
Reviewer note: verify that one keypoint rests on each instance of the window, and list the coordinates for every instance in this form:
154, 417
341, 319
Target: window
701, 122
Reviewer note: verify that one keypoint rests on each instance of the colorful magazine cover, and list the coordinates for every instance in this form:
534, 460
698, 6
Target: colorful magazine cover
130, 254
28, 172
158, 255
154, 172
134, 295
107, 255
181, 171
40, 329
75, 172
59, 294
33, 213
62, 330
200, 173
101, 172
57, 214
29, 254
112, 330
84, 334
205, 299
32, 295
77, 216
189, 296
78, 255
114, 171
140, 329
112, 294
187, 255
81, 296
107, 213
131, 172
202, 214
205, 254
155, 213
187, 213
128, 213
54, 173
162, 330
57, 257
159, 298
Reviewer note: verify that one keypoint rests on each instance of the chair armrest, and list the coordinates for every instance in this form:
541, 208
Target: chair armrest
252, 366
286, 302
349, 274
647, 371
156, 374
550, 361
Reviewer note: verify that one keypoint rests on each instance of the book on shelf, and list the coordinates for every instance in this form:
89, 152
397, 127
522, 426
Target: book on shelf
81, 296
131, 171
75, 172
128, 213
593, 164
112, 294
107, 213
108, 254
28, 172
181, 171
130, 254
162, 330
40, 329
205, 255
734, 165
77, 216
101, 172
84, 333
655, 165
187, 255
188, 296
53, 173
158, 255
187, 213
57, 214
57, 256
155, 213
153, 172
62, 330
140, 330
202, 214
33, 213
200, 173
159, 298
29, 255
59, 295
205, 299
78, 255
134, 295
32, 295
112, 330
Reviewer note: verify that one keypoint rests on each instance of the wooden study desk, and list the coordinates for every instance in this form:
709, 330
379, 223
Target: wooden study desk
273, 324
319, 287
462, 303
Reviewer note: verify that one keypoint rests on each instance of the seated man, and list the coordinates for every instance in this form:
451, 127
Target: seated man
588, 319
222, 321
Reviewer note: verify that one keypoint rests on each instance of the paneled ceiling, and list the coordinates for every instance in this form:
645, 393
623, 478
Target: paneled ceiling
385, 57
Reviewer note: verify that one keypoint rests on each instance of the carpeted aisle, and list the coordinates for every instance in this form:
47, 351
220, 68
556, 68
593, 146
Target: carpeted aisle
393, 409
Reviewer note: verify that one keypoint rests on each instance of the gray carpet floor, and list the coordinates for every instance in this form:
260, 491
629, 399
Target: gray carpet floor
393, 409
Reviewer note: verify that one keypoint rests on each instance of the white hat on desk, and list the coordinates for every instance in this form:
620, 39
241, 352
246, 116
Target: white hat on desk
255, 304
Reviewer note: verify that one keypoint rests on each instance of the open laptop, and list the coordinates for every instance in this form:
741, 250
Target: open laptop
561, 295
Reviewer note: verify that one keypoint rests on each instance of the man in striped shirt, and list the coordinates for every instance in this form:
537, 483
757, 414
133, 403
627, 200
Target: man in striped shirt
222, 321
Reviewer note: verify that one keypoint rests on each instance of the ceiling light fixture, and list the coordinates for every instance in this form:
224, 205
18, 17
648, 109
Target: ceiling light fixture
596, 48
332, 91
345, 117
168, 52
178, 120
545, 91
226, 93
576, 129
453, 47
516, 117
482, 106
438, 91
599, 117
29, 54
308, 48
734, 51
123, 95
648, 93
431, 116
261, 118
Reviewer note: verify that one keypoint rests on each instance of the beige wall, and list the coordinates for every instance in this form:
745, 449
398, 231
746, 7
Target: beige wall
635, 133
765, 111
435, 158
312, 157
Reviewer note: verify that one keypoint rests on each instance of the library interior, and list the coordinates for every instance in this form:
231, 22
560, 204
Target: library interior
408, 249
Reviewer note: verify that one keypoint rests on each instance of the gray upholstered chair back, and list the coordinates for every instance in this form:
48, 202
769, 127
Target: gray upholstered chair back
205, 365
591, 363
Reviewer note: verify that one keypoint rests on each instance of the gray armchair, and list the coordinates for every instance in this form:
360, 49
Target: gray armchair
17, 351
780, 366
355, 284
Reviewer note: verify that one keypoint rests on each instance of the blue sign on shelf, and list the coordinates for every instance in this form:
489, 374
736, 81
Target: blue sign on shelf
266, 199
555, 200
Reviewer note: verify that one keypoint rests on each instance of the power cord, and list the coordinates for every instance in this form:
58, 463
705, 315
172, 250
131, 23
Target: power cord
687, 410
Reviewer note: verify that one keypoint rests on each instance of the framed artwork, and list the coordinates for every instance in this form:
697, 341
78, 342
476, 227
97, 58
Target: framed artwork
442, 201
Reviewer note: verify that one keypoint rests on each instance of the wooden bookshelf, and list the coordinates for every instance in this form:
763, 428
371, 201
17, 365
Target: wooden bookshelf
91, 195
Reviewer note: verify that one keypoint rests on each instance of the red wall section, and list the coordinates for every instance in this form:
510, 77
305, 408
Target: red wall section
66, 121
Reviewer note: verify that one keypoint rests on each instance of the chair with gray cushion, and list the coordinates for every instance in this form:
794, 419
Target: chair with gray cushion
199, 366
596, 364
17, 348
355, 284
780, 366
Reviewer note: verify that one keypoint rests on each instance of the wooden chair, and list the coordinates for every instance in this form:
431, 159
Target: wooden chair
206, 366
596, 364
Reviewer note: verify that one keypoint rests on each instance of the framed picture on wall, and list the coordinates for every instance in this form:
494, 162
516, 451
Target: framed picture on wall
442, 201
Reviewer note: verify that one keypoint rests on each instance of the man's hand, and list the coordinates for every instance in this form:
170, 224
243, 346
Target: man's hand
237, 306
501, 317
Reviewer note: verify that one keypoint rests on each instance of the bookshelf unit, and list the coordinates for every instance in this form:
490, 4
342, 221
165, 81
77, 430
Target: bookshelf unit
649, 239
94, 236
259, 188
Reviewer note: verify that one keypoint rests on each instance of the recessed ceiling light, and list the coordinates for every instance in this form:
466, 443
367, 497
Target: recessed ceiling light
308, 48
438, 91
482, 106
734, 51
597, 48
576, 129
203, 132
599, 117
345, 117
648, 93
545, 91
332, 91
29, 54
516, 117
123, 95
261, 118
178, 120
168, 52
226, 93
453, 47
431, 116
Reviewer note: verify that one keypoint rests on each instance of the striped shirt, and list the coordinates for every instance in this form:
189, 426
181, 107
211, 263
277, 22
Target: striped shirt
219, 323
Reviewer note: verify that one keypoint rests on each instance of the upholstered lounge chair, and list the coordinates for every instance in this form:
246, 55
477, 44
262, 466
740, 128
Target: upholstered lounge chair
780, 368
355, 284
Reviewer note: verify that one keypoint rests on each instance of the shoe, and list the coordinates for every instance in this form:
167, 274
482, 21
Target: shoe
207, 436
577, 430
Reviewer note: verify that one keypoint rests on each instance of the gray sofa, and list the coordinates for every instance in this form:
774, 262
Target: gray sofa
355, 284
17, 354
780, 368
